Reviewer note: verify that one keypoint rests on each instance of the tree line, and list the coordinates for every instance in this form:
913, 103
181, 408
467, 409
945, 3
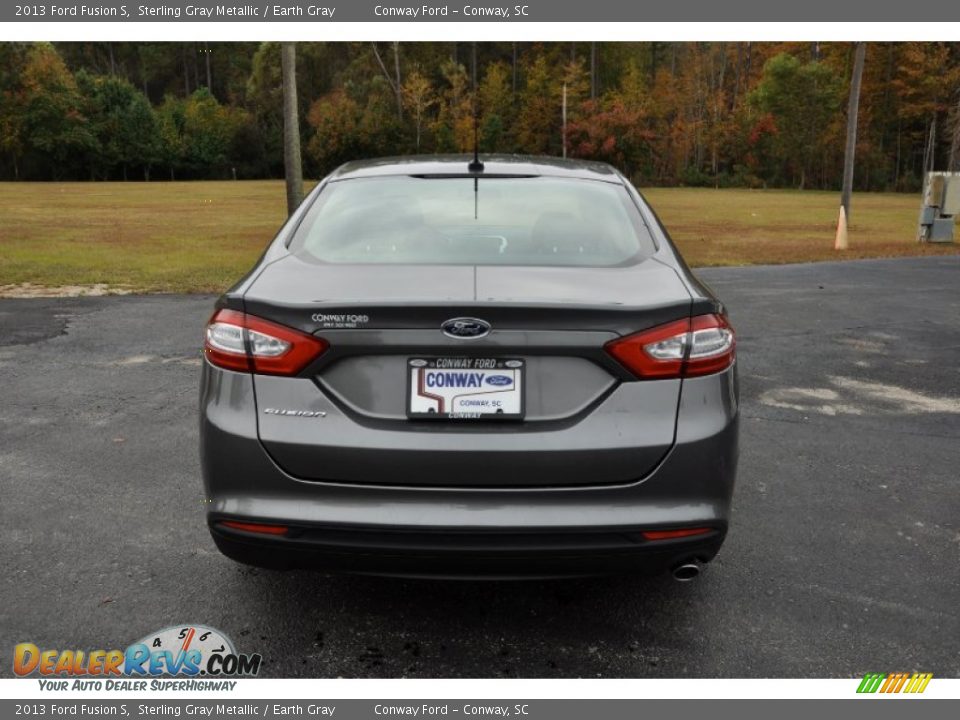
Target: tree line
743, 114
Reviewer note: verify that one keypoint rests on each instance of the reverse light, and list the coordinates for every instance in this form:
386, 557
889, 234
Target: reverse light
692, 347
245, 343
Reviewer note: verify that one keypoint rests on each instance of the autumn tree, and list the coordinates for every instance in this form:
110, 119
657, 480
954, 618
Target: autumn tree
538, 121
615, 127
454, 122
696, 113
353, 122
539, 124
54, 125
335, 140
418, 98
13, 60
496, 108
926, 81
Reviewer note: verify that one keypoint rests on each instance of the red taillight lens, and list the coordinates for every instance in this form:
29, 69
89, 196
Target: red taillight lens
697, 346
673, 534
654, 353
256, 527
241, 342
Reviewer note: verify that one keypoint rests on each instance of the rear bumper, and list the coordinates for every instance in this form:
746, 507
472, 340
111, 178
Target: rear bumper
470, 532
458, 554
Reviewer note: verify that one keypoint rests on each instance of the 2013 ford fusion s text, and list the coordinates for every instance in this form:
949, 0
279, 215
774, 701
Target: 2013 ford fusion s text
470, 369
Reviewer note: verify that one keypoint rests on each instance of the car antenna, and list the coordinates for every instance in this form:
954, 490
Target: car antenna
475, 165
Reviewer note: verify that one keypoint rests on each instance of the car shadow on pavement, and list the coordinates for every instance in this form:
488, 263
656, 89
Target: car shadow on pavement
354, 626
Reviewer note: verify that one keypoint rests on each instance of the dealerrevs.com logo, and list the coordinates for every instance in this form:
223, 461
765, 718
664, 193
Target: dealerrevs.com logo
179, 651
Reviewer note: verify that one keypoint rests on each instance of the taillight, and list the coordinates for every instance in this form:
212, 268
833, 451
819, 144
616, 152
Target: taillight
713, 345
241, 342
696, 346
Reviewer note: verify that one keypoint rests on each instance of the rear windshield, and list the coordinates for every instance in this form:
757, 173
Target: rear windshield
468, 221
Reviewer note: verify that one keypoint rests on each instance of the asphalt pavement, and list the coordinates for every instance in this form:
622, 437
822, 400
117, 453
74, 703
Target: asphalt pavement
843, 557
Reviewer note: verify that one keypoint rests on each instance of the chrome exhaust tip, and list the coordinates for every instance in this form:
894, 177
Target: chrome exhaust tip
685, 572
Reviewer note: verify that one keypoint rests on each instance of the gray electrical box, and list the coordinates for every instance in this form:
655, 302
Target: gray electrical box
940, 208
951, 197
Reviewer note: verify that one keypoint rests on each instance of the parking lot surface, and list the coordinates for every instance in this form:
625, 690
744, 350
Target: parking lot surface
843, 557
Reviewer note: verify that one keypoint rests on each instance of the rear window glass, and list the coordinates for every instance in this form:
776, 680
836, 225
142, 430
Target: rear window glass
467, 221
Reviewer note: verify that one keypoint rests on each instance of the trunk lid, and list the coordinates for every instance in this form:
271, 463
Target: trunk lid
556, 320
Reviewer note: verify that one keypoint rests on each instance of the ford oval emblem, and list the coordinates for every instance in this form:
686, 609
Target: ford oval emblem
465, 328
499, 380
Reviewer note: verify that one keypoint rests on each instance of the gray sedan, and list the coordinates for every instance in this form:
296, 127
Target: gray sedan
462, 369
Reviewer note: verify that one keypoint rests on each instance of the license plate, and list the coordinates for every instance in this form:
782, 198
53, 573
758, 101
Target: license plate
458, 388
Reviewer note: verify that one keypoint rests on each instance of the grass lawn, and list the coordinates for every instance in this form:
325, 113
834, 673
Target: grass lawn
202, 236
753, 227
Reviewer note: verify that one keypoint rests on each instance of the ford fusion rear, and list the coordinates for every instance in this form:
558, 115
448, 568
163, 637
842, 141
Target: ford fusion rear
497, 369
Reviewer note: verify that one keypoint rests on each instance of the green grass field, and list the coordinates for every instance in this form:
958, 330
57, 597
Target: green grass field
201, 236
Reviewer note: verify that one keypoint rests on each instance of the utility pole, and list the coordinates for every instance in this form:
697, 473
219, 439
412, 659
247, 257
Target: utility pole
564, 120
594, 67
292, 165
473, 66
853, 108
206, 55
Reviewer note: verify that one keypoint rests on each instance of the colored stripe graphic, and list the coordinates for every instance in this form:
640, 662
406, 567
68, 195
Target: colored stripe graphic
871, 682
920, 682
894, 683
